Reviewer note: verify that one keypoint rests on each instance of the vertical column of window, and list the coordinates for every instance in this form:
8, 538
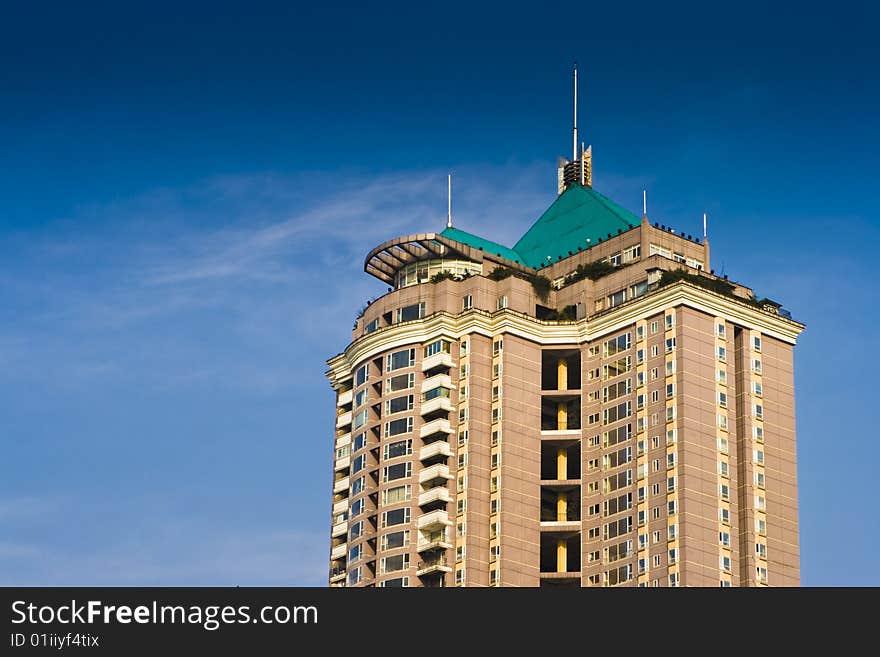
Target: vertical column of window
755, 440
591, 474
643, 401
391, 487
495, 464
669, 492
722, 404
357, 503
464, 371
724, 397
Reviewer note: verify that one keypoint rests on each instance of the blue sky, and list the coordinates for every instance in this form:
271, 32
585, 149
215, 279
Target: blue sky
187, 194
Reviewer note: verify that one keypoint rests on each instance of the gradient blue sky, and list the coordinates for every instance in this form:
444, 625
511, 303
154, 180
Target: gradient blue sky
187, 194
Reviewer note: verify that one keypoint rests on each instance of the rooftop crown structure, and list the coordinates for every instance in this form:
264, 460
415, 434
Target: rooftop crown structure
589, 407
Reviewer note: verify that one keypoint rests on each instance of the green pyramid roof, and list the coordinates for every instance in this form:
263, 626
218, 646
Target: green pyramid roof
577, 214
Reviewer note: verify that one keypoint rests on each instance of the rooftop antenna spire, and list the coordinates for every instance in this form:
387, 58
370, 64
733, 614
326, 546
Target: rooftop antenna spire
704, 227
574, 142
645, 202
449, 200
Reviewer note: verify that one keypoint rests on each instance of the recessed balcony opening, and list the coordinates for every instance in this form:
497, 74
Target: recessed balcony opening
560, 460
560, 552
561, 369
560, 504
560, 413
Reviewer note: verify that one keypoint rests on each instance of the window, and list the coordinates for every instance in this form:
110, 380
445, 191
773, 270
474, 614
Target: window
670, 368
655, 513
399, 404
759, 456
670, 343
638, 289
397, 494
679, 257
670, 390
759, 412
399, 448
640, 378
757, 389
724, 539
593, 510
618, 344
672, 532
436, 347
760, 550
397, 471
759, 479
670, 321
670, 460
654, 327
617, 528
354, 576
659, 250
643, 541
756, 343
399, 359
641, 493
463, 348
493, 506
654, 373
434, 393
721, 352
355, 553
360, 419
501, 303
724, 515
619, 480
722, 422
655, 350
640, 356
343, 451
395, 563
399, 382
462, 438
673, 579
756, 366
722, 399
356, 530
616, 368
657, 560
640, 424
395, 540
496, 370
496, 392
396, 582
670, 484
395, 427
620, 457
407, 313
372, 326
462, 415
362, 374
496, 460
722, 445
493, 577
462, 460
721, 377
617, 412
467, 302
459, 577
395, 517
671, 436
593, 418
758, 433
496, 436
673, 556
459, 553
464, 370
672, 507
359, 463
361, 398
670, 413
760, 503
617, 298
615, 259
496, 414
725, 492
640, 447
724, 562
618, 435
640, 333
761, 574
720, 331
724, 468
617, 504
593, 532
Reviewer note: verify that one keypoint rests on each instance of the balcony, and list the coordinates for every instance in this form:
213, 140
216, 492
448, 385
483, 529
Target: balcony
339, 551
341, 485
339, 529
340, 507
435, 544
443, 359
343, 419
434, 520
342, 464
437, 381
438, 494
344, 398
440, 425
438, 565
438, 471
436, 404
343, 440
337, 575
438, 448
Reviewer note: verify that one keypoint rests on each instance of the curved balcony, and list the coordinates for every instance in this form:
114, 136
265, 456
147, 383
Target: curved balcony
434, 520
438, 494
440, 425
438, 448
436, 404
435, 472
442, 359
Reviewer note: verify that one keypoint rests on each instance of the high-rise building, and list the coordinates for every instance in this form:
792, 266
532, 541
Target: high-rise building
591, 407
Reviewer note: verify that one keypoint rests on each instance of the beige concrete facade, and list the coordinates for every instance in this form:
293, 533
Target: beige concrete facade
649, 442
